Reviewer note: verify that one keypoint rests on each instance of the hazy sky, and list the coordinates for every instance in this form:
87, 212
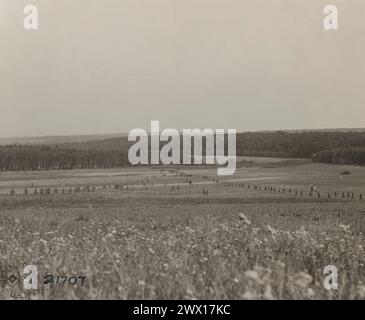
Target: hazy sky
109, 66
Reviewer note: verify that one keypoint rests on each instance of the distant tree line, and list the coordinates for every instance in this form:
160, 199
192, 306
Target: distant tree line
321, 146
354, 156
26, 158
297, 144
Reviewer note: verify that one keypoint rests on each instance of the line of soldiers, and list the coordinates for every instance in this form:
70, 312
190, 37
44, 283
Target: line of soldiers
313, 191
46, 191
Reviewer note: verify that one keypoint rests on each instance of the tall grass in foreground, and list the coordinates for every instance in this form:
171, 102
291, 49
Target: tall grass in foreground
198, 258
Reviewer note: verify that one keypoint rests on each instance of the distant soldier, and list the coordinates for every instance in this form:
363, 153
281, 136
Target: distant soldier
25, 190
301, 193
318, 194
310, 194
329, 196
296, 192
12, 192
335, 194
360, 196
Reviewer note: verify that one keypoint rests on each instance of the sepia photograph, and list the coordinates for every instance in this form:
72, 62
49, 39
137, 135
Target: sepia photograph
174, 152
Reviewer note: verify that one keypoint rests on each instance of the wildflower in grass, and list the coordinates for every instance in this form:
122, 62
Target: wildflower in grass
253, 275
344, 228
302, 279
242, 217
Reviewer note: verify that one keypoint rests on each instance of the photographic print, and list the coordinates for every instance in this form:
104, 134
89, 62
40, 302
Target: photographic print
182, 151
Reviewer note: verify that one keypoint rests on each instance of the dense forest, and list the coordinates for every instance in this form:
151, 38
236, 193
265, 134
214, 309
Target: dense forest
24, 158
354, 156
329, 147
296, 145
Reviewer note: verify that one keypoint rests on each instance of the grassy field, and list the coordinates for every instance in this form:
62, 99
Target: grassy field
157, 236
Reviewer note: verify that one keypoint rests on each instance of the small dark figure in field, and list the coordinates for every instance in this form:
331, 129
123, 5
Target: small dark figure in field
55, 190
335, 194
12, 192
26, 191
318, 194
35, 191
310, 194
301, 193
360, 196
329, 196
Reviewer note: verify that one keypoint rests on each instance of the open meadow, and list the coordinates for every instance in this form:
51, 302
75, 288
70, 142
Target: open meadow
184, 233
